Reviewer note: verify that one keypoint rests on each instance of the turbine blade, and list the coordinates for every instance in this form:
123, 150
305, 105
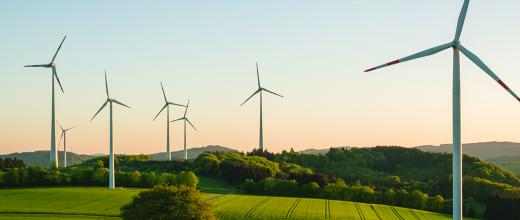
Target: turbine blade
186, 109
160, 112
177, 119
486, 69
257, 75
58, 50
191, 124
164, 93
462, 18
60, 125
38, 65
172, 103
257, 91
62, 133
118, 102
423, 53
106, 83
272, 92
103, 106
71, 128
57, 78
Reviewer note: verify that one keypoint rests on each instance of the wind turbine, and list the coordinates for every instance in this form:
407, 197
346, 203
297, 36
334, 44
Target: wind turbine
185, 119
111, 178
260, 90
457, 150
53, 152
64, 136
167, 106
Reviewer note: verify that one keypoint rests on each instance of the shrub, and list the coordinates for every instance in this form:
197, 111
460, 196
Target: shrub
149, 179
187, 178
168, 203
250, 186
168, 179
311, 189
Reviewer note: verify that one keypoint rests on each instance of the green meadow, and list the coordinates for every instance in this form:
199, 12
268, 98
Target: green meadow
101, 203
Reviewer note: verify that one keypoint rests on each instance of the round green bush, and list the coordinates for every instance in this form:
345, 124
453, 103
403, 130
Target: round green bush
165, 202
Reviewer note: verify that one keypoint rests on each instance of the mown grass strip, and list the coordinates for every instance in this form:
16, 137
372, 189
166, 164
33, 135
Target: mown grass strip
252, 209
397, 213
377, 214
327, 208
360, 212
292, 208
414, 214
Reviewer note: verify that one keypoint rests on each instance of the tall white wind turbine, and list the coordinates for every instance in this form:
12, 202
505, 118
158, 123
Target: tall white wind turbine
110, 101
457, 150
185, 119
64, 136
53, 152
259, 91
167, 107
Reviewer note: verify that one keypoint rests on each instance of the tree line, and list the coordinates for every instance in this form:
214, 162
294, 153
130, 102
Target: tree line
6, 163
93, 174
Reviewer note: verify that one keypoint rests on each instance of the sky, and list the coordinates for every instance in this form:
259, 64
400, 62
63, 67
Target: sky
313, 53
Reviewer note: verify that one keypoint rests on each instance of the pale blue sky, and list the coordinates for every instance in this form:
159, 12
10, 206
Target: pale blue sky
313, 52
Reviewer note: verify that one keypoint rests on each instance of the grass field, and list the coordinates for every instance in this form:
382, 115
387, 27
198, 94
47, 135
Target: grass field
101, 203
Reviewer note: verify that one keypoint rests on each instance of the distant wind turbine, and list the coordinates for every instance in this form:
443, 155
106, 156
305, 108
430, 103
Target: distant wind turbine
167, 106
111, 178
259, 90
53, 152
64, 136
185, 119
457, 150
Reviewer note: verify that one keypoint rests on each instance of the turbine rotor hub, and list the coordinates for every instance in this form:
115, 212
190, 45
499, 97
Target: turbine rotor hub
456, 43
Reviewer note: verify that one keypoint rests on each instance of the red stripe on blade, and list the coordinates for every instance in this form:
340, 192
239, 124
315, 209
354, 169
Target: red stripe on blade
393, 62
503, 84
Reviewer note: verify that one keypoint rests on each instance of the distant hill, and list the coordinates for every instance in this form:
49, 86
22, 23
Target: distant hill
314, 151
41, 158
322, 151
503, 154
483, 150
511, 163
192, 152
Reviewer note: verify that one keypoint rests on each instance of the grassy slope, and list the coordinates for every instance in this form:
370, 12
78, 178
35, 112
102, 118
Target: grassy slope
511, 163
95, 203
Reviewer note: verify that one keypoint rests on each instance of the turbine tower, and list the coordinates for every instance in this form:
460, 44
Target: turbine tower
457, 150
110, 101
64, 136
167, 106
260, 90
53, 152
185, 119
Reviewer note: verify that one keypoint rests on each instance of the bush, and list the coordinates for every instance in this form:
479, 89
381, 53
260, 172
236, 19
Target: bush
168, 203
187, 178
207, 163
311, 189
168, 179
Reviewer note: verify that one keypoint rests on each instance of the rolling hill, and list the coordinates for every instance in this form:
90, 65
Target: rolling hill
101, 203
192, 152
41, 158
482, 150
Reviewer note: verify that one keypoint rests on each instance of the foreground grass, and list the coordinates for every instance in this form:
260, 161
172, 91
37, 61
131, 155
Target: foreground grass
101, 203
